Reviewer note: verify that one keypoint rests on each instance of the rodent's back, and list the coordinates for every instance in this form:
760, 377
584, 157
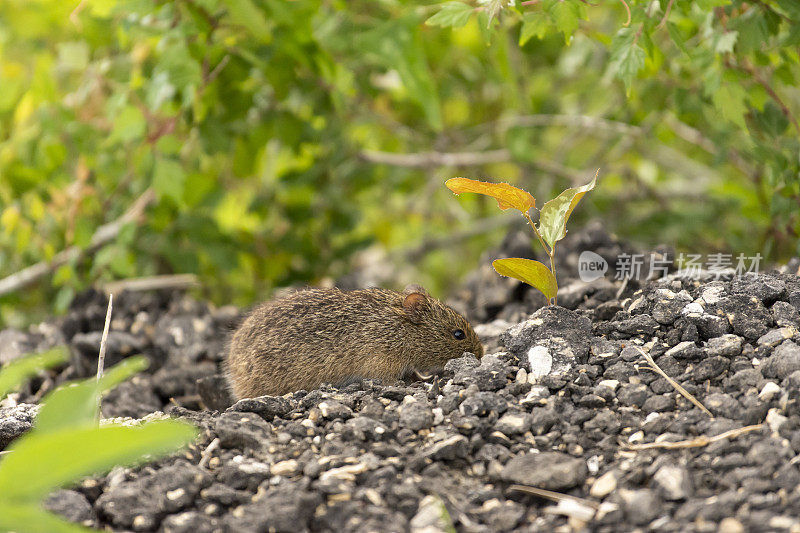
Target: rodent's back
314, 336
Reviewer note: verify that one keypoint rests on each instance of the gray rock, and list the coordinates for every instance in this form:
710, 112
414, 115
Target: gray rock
765, 287
141, 504
482, 404
14, 421
710, 368
415, 415
453, 366
725, 346
747, 315
668, 305
564, 333
276, 510
658, 403
242, 430
786, 314
267, 407
721, 404
776, 336
641, 506
547, 470
674, 482
708, 326
455, 446
784, 360
514, 423
71, 505
365, 429
190, 522
632, 395
685, 350
643, 325
14, 343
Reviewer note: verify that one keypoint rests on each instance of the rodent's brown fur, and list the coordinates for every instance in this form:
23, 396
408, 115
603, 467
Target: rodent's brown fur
314, 336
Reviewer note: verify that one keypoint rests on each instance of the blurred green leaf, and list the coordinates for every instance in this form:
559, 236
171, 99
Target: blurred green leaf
74, 404
129, 124
169, 179
39, 458
15, 373
534, 24
451, 14
730, 102
31, 518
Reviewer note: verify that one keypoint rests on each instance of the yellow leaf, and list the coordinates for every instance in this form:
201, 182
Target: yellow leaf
505, 194
528, 271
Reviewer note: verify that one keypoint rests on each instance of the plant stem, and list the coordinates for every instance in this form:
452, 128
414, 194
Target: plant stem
551, 252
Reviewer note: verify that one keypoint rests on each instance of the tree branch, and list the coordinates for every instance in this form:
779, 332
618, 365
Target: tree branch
103, 235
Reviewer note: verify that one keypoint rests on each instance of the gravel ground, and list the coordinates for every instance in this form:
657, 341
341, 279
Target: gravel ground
560, 427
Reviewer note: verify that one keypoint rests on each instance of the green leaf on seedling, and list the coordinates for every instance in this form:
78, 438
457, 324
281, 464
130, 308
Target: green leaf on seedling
452, 14
75, 404
555, 213
17, 371
528, 271
505, 194
48, 461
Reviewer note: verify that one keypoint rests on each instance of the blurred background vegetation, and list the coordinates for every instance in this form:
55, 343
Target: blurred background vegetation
260, 143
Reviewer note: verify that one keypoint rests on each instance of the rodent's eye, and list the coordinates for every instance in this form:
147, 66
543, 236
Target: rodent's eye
459, 334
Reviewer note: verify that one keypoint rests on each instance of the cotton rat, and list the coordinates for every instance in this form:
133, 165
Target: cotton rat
314, 336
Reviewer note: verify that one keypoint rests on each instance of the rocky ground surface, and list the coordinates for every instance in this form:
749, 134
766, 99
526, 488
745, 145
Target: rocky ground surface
561, 427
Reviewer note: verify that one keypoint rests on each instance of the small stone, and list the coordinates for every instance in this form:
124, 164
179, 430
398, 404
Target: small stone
693, 307
267, 407
415, 415
332, 409
604, 485
70, 504
775, 420
768, 391
547, 470
776, 336
765, 287
632, 395
242, 430
285, 468
728, 345
722, 405
673, 481
431, 516
786, 315
658, 404
456, 446
784, 360
685, 350
514, 423
641, 506
710, 367
730, 525
609, 383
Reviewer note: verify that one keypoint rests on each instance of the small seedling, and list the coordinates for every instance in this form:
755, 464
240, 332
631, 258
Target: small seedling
552, 228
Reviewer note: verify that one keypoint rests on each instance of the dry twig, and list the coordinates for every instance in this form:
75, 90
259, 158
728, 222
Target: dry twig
103, 235
101, 358
655, 368
697, 442
151, 283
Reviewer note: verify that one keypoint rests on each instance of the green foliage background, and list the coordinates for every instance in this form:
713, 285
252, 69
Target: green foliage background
256, 123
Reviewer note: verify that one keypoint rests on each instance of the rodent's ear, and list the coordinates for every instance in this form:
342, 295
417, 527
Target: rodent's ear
413, 287
414, 303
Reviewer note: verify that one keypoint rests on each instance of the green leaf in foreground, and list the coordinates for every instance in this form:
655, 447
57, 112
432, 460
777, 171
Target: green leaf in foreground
17, 371
528, 271
555, 213
31, 518
451, 14
40, 463
76, 403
